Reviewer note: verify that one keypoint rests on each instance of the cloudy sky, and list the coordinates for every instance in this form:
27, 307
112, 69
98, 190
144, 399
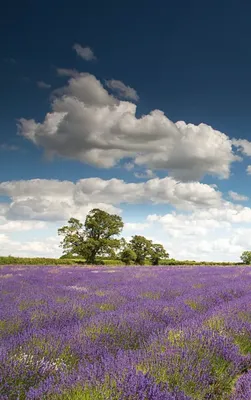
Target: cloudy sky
144, 112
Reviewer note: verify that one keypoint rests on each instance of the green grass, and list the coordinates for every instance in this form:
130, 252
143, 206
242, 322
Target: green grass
103, 392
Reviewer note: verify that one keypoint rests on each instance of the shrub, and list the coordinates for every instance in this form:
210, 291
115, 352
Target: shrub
128, 256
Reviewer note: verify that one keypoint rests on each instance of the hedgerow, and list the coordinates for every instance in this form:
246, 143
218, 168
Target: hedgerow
10, 260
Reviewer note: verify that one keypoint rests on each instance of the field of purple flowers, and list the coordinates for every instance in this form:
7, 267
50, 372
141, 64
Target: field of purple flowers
152, 333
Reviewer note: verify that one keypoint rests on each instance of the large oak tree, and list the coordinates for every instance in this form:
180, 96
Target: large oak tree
95, 238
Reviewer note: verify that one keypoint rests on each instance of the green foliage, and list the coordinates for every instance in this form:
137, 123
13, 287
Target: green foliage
73, 237
104, 391
69, 256
95, 239
65, 256
37, 261
113, 262
128, 256
81, 261
101, 225
157, 252
246, 257
141, 246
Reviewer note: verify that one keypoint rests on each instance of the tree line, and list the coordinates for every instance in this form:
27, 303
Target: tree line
98, 237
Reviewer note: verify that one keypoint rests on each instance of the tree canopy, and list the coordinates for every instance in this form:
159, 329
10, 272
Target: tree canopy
141, 246
157, 252
128, 256
95, 238
246, 257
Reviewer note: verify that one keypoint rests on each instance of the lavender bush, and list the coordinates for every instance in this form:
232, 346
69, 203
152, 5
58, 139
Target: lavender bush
152, 333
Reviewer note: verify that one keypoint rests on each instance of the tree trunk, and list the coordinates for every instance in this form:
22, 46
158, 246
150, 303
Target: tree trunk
91, 258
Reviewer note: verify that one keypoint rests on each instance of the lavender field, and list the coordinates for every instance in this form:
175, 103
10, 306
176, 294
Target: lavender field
152, 333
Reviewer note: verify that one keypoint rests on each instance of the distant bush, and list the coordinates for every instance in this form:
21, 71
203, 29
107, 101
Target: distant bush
69, 256
113, 262
172, 261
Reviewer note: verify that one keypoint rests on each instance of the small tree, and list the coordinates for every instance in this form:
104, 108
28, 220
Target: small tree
95, 238
128, 256
141, 246
246, 257
157, 252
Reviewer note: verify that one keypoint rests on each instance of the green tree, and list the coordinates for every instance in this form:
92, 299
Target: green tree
128, 256
93, 239
74, 237
141, 246
246, 257
157, 252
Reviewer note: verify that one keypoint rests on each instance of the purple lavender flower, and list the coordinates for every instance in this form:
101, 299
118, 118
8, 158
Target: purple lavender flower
143, 333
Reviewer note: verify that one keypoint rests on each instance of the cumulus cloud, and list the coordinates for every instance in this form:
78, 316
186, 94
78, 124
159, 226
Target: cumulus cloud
221, 215
122, 90
46, 248
43, 85
204, 225
210, 235
90, 125
156, 191
248, 170
16, 226
84, 52
236, 196
53, 200
243, 145
84, 89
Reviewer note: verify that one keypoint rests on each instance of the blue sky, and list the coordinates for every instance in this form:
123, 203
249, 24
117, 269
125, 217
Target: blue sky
101, 71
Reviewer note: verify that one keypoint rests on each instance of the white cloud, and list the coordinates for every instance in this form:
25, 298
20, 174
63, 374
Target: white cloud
243, 145
210, 229
122, 90
89, 125
20, 226
209, 235
83, 90
236, 196
128, 166
67, 72
53, 200
147, 174
157, 191
47, 248
84, 52
135, 226
248, 170
3, 238
43, 85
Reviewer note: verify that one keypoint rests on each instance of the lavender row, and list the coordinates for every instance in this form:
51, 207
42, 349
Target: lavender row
125, 333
